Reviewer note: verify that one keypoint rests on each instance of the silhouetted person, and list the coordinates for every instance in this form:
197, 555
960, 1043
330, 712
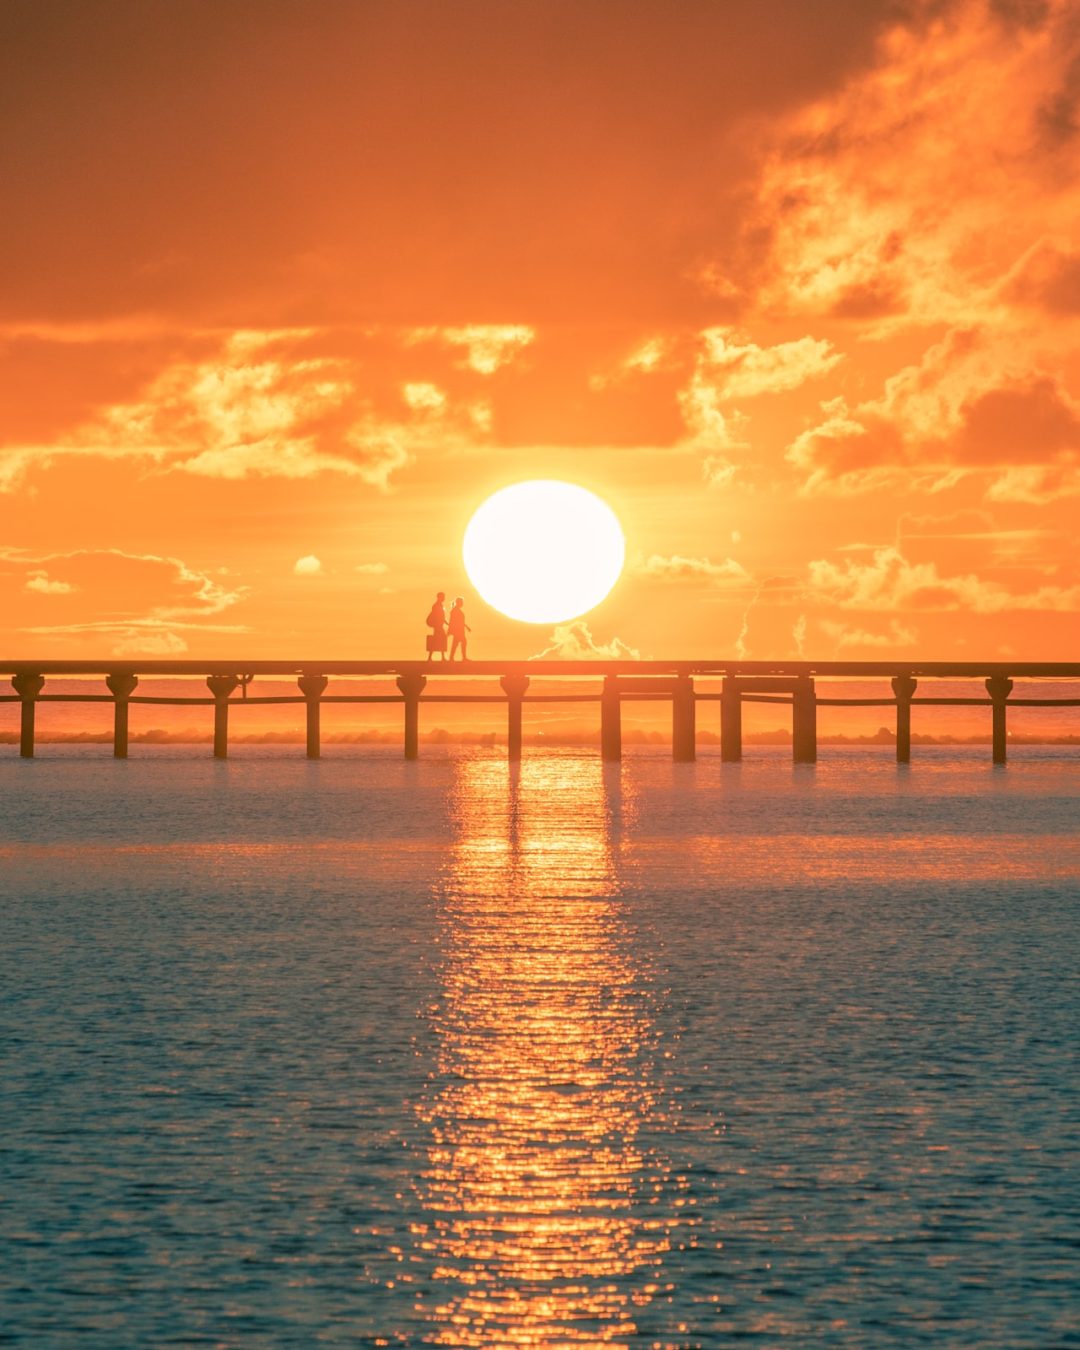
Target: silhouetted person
458, 629
436, 621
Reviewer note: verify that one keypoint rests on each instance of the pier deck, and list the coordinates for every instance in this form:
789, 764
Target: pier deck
780, 681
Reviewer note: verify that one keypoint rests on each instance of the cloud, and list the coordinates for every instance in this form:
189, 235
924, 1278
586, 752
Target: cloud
374, 569
740, 369
677, 568
137, 643
307, 566
574, 642
664, 352
40, 582
1030, 547
729, 367
711, 427
1035, 485
274, 404
890, 582
955, 248
116, 596
424, 397
717, 471
16, 461
383, 451
871, 210
959, 411
898, 635
847, 451
651, 355
488, 346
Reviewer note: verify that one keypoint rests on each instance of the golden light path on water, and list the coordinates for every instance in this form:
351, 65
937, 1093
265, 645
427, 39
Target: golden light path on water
547, 1219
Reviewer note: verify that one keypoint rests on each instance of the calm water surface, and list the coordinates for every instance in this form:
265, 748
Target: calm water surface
366, 1053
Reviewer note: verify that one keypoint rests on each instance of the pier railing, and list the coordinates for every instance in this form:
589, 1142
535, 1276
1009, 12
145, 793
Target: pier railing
785, 682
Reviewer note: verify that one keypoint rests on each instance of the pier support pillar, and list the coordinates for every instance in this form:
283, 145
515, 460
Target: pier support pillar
903, 687
514, 687
999, 687
804, 722
730, 721
610, 720
121, 686
27, 687
412, 686
683, 722
221, 686
313, 687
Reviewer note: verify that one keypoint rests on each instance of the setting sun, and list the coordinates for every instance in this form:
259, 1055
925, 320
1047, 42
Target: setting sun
544, 551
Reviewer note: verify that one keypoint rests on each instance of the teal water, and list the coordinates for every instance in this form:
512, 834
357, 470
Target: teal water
362, 1052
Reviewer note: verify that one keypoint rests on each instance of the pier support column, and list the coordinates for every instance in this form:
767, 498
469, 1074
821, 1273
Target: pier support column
412, 686
999, 687
730, 721
903, 687
683, 722
610, 720
804, 722
121, 686
514, 687
27, 687
313, 687
221, 686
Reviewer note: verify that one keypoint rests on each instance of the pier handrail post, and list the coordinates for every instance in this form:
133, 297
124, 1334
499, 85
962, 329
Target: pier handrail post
999, 687
683, 721
903, 687
221, 686
313, 687
804, 722
412, 686
514, 686
27, 686
121, 684
610, 720
730, 721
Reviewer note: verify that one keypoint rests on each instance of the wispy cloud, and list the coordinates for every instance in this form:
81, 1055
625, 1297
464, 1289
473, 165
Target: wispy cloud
574, 642
136, 643
677, 568
844, 637
131, 601
890, 582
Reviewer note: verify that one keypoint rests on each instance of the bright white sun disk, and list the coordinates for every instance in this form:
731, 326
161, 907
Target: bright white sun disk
544, 551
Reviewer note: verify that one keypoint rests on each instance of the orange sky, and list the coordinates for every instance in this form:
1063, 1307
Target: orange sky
793, 284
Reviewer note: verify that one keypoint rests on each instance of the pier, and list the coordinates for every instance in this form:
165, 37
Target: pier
410, 685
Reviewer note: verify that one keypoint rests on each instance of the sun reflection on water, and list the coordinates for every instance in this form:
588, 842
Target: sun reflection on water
544, 1222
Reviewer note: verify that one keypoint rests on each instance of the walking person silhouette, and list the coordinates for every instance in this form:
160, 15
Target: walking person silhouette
436, 621
458, 629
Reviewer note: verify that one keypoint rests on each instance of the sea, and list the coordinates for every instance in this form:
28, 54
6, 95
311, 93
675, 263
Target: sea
360, 1052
